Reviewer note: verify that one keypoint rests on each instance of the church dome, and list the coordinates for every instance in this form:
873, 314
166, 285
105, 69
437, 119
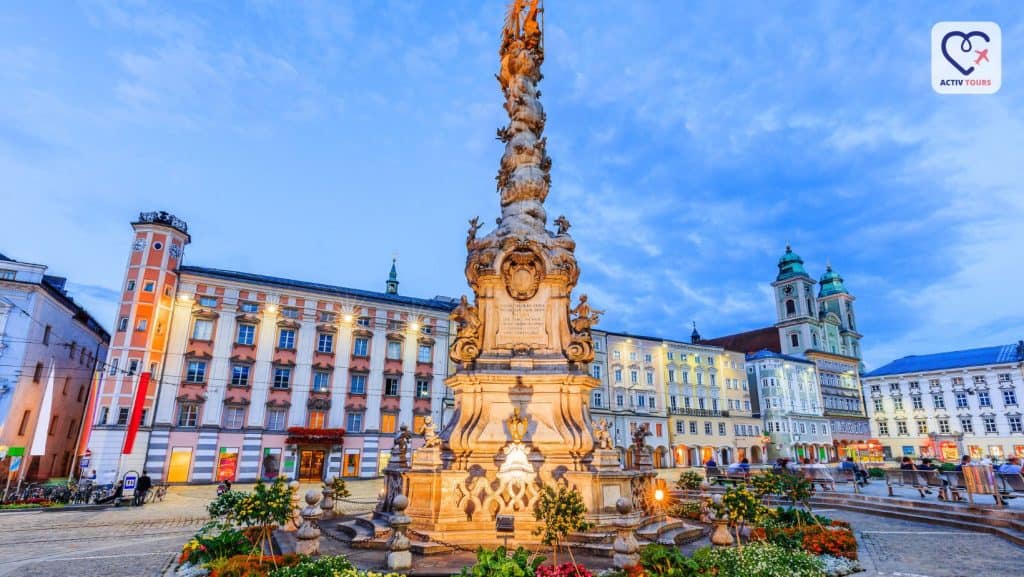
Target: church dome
791, 265
831, 283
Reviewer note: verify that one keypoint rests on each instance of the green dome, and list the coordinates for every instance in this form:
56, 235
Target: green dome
831, 283
791, 265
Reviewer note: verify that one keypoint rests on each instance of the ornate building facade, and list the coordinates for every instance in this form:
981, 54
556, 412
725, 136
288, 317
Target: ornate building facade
249, 376
43, 330
789, 397
945, 405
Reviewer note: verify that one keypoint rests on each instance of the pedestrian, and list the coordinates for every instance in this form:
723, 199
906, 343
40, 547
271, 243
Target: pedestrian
141, 488
859, 474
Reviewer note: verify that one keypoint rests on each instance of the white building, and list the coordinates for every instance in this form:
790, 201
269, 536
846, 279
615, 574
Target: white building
41, 326
789, 395
949, 404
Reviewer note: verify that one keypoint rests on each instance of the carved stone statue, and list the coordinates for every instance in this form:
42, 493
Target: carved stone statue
466, 345
563, 225
474, 225
517, 426
430, 438
402, 441
640, 434
583, 317
602, 438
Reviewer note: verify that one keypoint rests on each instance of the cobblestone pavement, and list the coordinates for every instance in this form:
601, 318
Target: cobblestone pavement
120, 541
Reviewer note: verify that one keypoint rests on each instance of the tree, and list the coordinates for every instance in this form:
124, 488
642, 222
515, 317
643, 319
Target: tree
561, 511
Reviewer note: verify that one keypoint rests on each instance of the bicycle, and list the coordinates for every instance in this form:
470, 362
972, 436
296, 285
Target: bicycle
156, 493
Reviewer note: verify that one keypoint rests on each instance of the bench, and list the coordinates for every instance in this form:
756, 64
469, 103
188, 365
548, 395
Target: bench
920, 480
844, 476
734, 479
955, 484
819, 475
1012, 484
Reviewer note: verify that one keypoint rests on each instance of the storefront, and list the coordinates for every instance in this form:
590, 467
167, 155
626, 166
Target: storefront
313, 448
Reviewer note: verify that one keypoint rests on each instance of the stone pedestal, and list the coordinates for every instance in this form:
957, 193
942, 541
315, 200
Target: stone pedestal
307, 538
606, 460
625, 546
327, 504
296, 519
398, 556
427, 459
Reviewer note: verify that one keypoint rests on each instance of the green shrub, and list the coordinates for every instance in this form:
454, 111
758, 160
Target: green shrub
322, 567
689, 481
793, 517
225, 505
340, 488
666, 561
211, 544
758, 559
876, 473
498, 563
685, 510
947, 466
560, 513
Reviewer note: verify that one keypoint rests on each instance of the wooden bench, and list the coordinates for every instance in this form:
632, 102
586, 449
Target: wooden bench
1012, 484
819, 475
734, 479
840, 475
920, 480
955, 484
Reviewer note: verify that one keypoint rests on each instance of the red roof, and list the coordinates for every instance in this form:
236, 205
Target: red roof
749, 342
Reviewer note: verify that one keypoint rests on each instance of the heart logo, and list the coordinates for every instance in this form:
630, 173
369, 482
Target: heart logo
965, 47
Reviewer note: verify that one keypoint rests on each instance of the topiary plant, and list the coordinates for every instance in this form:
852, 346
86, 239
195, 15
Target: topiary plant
561, 511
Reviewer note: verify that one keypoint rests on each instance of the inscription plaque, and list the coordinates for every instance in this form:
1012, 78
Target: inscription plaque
521, 323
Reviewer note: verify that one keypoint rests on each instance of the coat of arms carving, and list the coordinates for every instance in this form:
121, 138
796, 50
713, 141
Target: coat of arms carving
522, 271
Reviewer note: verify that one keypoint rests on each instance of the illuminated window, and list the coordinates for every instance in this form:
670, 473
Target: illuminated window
317, 419
387, 422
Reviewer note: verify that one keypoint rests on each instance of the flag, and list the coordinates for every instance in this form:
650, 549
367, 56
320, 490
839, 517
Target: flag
90, 409
135, 421
43, 423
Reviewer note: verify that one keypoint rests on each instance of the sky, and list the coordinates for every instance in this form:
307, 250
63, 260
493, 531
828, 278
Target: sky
691, 141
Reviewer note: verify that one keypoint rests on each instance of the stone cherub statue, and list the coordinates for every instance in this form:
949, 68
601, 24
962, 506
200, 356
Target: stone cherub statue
602, 437
517, 426
430, 438
583, 317
563, 225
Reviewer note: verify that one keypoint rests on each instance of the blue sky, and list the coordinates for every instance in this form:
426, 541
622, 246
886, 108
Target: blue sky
690, 141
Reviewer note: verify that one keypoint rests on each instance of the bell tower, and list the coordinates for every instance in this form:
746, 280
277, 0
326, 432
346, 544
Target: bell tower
795, 305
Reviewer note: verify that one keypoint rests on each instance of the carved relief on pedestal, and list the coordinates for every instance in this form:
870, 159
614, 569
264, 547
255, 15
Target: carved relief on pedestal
522, 270
581, 346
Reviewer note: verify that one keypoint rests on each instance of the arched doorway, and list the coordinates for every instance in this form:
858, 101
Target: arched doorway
706, 453
682, 456
724, 456
660, 458
755, 454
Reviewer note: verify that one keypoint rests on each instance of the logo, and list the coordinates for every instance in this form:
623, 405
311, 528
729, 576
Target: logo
967, 57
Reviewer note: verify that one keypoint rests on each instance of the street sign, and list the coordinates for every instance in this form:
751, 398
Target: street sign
84, 462
15, 463
130, 479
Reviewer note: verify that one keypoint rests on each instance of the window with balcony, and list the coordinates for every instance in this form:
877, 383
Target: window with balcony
240, 375
246, 334
391, 386
317, 419
325, 343
357, 385
321, 381
188, 415
277, 419
286, 339
394, 351
282, 377
361, 347
234, 417
202, 330
196, 372
422, 389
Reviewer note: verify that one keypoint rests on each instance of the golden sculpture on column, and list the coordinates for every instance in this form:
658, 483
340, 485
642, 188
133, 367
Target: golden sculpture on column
521, 349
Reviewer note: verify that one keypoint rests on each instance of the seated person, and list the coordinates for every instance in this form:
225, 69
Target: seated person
859, 474
740, 468
1010, 467
907, 465
964, 461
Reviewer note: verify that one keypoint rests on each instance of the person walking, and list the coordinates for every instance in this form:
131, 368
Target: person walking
859, 474
141, 488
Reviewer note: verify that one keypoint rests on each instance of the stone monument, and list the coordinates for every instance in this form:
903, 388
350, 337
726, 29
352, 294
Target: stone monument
521, 348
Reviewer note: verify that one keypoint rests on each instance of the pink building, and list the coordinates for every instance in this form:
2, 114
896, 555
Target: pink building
255, 376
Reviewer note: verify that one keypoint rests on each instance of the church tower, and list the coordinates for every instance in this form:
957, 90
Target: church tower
836, 305
391, 287
796, 307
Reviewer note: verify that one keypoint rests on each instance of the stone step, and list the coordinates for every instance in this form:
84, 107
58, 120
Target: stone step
651, 531
595, 537
931, 502
933, 510
428, 548
680, 535
1011, 535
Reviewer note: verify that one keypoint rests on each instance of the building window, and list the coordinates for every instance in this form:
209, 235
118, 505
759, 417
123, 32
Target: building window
596, 399
290, 313
939, 401
81, 393
188, 415
37, 374
354, 422
670, 356
148, 286
1009, 397
246, 334
634, 377
317, 419
721, 429
879, 408
679, 425
693, 427
249, 307
196, 372
790, 307
363, 322
916, 402
425, 354
360, 347
595, 371
321, 381
922, 427
326, 317
794, 339
979, 379
876, 388
276, 419
897, 403
358, 385
143, 324
650, 378
883, 428
325, 343
707, 428
234, 417
1015, 424
990, 424
901, 428
671, 375
1005, 378
104, 416
286, 339
619, 400
650, 402
394, 350
616, 355
966, 425
422, 389
961, 399
640, 401
113, 367
240, 375
391, 386
202, 330
282, 377
618, 375
958, 381
944, 426
983, 399
122, 324
388, 422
